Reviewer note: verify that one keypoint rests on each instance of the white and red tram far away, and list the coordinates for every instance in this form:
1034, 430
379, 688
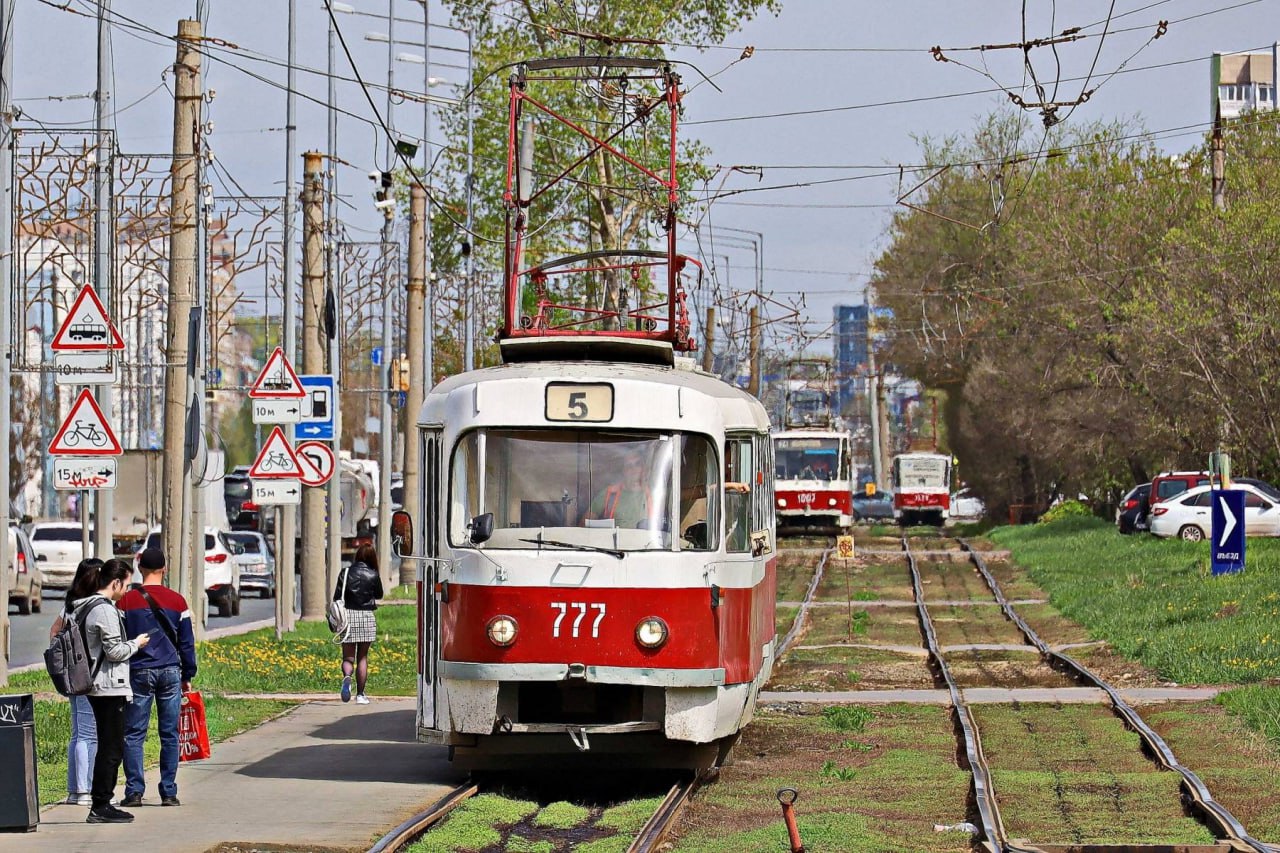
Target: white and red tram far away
921, 487
596, 547
814, 479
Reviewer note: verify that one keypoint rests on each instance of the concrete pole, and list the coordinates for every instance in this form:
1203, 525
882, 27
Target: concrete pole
6, 279
313, 499
468, 308
103, 509
1219, 164
429, 346
335, 351
753, 353
873, 398
287, 516
385, 416
709, 342
182, 255
416, 338
886, 440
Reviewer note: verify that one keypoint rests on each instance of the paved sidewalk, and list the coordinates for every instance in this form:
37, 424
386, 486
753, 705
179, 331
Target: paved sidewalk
324, 777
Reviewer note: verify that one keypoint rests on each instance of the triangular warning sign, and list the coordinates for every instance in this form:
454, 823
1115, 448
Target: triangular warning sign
85, 432
87, 326
276, 460
278, 380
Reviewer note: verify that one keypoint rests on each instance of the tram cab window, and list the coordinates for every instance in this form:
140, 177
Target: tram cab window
740, 466
594, 488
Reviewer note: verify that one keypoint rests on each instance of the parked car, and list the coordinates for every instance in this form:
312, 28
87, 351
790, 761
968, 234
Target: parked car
1134, 513
1189, 515
879, 505
58, 551
26, 587
1261, 485
967, 506
1167, 484
221, 571
257, 562
236, 491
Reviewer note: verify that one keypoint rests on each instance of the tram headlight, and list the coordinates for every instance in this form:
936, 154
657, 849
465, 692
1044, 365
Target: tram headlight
831, 501
502, 631
782, 501
651, 632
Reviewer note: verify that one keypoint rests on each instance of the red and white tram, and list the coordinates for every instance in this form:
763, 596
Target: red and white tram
598, 566
814, 479
921, 487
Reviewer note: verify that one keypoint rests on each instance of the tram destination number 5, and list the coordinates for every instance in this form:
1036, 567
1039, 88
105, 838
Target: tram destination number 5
578, 402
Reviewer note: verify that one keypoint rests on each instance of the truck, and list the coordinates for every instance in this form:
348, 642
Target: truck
357, 495
138, 503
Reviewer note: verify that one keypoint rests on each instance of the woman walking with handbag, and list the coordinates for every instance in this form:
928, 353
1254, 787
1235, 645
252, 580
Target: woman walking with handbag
83, 746
359, 588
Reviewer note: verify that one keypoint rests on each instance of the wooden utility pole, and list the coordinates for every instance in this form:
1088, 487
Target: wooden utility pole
416, 339
1219, 163
314, 535
708, 346
753, 353
175, 515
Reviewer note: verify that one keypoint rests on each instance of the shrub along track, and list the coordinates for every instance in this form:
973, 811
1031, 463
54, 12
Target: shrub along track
1076, 777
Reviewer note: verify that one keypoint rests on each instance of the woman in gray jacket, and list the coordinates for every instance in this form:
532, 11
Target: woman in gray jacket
109, 654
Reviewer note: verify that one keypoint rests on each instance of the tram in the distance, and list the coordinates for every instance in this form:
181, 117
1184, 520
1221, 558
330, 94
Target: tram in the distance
814, 479
921, 488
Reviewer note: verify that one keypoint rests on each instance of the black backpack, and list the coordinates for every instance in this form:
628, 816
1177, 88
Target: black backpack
67, 658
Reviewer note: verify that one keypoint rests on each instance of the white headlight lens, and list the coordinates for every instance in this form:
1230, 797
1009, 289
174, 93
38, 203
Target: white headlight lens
502, 630
651, 632
831, 502
782, 501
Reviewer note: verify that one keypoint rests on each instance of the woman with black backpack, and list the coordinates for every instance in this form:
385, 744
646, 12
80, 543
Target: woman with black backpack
83, 746
109, 652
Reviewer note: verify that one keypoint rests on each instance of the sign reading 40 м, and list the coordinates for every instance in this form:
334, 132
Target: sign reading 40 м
1228, 530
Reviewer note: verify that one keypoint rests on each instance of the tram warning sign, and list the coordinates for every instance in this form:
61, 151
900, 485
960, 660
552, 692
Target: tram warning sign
844, 547
276, 460
86, 326
85, 432
278, 380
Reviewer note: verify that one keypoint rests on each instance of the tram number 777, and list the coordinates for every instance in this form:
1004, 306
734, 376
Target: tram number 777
581, 607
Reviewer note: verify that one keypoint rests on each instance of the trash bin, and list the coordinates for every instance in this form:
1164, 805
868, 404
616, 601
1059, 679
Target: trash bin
19, 797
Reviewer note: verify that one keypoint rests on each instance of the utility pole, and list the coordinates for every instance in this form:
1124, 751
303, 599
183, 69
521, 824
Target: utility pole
6, 279
708, 345
386, 439
1219, 164
469, 362
313, 510
335, 341
753, 353
103, 508
873, 397
175, 517
428, 350
415, 304
287, 516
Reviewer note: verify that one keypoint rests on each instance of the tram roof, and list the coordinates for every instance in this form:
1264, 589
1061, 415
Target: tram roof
739, 409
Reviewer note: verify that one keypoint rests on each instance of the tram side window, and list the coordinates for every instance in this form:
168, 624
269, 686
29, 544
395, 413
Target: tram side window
464, 494
762, 485
739, 461
699, 494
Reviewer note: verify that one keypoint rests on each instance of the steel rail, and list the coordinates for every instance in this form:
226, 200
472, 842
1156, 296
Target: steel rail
804, 605
406, 833
1227, 824
655, 830
988, 809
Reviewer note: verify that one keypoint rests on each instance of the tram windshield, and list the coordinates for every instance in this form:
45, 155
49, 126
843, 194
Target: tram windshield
921, 471
589, 489
808, 459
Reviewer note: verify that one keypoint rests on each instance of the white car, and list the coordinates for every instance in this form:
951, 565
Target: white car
966, 505
58, 551
1189, 515
221, 571
257, 562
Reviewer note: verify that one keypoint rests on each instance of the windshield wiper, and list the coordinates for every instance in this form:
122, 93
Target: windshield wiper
612, 552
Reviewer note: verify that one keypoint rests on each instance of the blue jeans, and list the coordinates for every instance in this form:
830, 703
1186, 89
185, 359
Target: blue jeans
164, 685
82, 748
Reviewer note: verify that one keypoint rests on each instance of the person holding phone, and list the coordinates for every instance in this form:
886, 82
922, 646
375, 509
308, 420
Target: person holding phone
159, 674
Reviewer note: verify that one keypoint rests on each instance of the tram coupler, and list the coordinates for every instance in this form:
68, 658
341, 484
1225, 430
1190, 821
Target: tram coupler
787, 798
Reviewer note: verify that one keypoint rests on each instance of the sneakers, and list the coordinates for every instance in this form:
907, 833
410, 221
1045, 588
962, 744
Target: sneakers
362, 699
79, 800
108, 814
170, 801
346, 688
132, 801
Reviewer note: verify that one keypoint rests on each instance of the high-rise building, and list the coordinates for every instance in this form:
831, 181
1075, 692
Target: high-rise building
850, 353
1243, 81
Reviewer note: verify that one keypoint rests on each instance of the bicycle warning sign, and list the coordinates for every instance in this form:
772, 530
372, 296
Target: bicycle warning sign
276, 460
85, 432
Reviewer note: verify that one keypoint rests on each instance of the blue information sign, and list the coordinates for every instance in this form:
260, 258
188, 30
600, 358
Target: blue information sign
375, 356
1227, 546
317, 417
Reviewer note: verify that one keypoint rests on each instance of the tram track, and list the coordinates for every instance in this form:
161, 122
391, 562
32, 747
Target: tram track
650, 837
1194, 793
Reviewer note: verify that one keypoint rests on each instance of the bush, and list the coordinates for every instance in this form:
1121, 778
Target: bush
1066, 509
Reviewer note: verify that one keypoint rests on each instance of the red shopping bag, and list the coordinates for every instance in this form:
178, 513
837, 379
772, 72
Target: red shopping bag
193, 732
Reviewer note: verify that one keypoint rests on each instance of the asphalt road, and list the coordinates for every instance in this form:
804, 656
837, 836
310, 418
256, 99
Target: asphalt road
29, 635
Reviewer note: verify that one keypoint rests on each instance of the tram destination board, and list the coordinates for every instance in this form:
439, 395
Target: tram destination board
580, 402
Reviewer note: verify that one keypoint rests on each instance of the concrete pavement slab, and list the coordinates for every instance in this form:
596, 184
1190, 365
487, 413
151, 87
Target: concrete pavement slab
324, 776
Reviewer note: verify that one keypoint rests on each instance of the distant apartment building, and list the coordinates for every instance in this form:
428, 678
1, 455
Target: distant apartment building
850, 354
1240, 82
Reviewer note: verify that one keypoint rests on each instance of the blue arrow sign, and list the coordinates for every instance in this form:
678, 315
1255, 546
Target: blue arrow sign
317, 418
375, 356
1227, 528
